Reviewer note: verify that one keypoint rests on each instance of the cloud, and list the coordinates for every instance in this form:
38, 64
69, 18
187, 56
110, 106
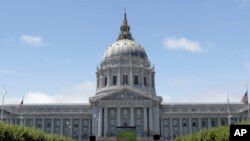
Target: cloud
36, 41
78, 93
39, 97
182, 44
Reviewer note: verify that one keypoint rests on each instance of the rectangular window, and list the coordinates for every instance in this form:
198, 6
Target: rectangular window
213, 123
136, 80
194, 124
203, 124
145, 81
105, 81
48, 124
114, 80
125, 79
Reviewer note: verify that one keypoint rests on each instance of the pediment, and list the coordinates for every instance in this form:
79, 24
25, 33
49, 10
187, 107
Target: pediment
125, 95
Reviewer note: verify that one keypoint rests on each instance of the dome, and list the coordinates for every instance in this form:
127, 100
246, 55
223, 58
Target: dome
125, 47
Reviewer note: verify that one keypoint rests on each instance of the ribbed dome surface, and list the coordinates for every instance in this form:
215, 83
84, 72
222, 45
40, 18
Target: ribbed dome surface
125, 47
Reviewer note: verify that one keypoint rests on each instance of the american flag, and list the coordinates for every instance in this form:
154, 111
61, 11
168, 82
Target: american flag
244, 99
20, 105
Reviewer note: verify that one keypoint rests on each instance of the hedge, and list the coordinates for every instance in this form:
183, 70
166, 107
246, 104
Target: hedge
126, 136
212, 134
10, 132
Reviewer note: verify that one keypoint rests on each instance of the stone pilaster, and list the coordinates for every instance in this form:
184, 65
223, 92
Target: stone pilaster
145, 120
219, 122
119, 77
61, 127
118, 116
190, 125
100, 122
180, 124
105, 121
171, 128
80, 129
33, 125
199, 122
132, 116
131, 76
209, 122
70, 127
151, 128
52, 125
43, 124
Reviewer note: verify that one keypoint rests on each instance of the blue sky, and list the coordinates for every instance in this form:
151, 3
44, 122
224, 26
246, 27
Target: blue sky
49, 50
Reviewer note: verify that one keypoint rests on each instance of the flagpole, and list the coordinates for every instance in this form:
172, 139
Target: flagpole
21, 114
4, 93
247, 104
229, 114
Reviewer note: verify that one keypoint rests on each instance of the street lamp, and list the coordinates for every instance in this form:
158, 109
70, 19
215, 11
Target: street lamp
4, 93
68, 128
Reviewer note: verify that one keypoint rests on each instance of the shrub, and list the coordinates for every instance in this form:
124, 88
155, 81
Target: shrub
20, 133
213, 134
126, 136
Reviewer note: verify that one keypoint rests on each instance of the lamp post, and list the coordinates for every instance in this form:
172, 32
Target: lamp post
68, 128
4, 93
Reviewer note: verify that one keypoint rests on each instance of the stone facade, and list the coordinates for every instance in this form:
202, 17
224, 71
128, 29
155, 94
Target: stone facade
125, 97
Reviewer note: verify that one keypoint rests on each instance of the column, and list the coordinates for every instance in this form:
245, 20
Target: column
180, 122
34, 124
118, 116
199, 120
131, 74
151, 121
156, 117
171, 128
43, 124
108, 77
161, 126
70, 127
24, 121
100, 122
52, 125
190, 125
100, 79
142, 77
149, 82
209, 122
219, 123
90, 126
145, 120
80, 129
132, 123
61, 126
105, 121
119, 76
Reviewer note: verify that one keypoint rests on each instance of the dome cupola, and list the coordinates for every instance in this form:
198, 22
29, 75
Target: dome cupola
125, 44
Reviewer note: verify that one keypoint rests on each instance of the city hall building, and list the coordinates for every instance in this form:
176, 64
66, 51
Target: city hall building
125, 98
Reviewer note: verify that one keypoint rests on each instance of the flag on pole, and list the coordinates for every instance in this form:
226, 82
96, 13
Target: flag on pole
4, 91
20, 105
244, 99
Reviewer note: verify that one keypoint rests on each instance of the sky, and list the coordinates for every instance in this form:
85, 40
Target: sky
49, 50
